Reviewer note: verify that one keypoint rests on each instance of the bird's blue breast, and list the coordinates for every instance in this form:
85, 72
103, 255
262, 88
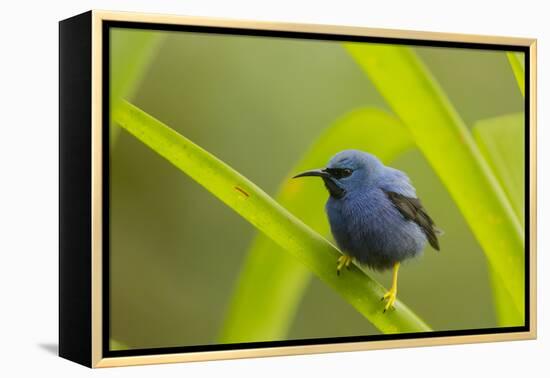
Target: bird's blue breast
367, 226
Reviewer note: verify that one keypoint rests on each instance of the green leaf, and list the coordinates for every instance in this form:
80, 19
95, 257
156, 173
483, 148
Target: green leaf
131, 52
517, 61
443, 138
272, 283
501, 140
254, 205
507, 315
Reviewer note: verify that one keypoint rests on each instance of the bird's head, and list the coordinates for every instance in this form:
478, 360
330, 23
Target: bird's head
347, 171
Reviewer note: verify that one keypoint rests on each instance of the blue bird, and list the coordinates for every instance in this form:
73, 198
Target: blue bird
374, 214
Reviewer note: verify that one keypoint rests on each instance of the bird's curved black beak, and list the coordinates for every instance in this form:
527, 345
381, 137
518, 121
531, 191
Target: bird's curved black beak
314, 172
330, 182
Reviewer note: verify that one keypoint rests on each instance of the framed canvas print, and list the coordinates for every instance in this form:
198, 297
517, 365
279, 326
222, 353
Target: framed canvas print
235, 189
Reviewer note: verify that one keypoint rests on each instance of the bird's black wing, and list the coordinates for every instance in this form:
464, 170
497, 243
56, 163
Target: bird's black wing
412, 209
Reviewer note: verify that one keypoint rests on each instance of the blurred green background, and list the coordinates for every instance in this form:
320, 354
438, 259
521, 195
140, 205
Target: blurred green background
258, 104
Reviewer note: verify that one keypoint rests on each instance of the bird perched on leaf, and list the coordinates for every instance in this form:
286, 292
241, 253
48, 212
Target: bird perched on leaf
374, 214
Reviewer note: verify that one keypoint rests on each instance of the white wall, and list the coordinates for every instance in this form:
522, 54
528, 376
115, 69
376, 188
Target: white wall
28, 207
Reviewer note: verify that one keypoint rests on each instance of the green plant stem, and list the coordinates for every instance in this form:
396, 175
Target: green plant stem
445, 141
254, 205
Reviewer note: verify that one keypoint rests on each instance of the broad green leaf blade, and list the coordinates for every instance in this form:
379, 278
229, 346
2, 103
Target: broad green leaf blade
254, 205
507, 316
501, 141
517, 61
131, 52
272, 283
447, 144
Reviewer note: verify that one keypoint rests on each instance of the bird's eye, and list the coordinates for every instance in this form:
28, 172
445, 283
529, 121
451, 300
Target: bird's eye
339, 173
346, 172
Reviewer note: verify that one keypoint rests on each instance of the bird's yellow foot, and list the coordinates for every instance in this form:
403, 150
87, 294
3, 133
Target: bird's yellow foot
391, 295
343, 261
390, 298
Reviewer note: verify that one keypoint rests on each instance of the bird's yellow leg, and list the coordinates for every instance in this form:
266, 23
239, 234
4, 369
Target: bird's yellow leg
343, 261
391, 295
